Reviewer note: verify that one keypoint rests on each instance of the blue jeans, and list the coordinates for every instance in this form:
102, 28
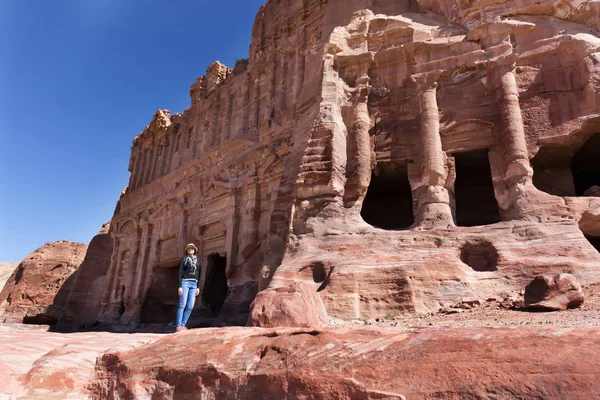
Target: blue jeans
186, 301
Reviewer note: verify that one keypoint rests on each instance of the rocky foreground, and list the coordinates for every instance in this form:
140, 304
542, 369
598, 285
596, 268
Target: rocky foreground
466, 352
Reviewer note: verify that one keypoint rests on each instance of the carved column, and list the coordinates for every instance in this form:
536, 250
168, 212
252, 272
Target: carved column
139, 178
110, 283
358, 170
511, 135
433, 197
165, 157
231, 239
516, 156
156, 161
149, 164
136, 266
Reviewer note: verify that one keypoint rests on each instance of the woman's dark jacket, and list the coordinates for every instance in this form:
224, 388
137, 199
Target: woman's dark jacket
189, 268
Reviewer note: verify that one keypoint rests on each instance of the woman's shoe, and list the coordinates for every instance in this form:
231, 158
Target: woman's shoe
179, 328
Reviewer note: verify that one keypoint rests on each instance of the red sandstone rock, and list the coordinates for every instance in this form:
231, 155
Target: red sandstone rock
40, 365
554, 293
367, 363
37, 290
83, 304
297, 305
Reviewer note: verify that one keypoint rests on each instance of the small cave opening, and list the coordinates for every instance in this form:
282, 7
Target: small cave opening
481, 256
160, 305
318, 272
585, 167
474, 189
552, 171
388, 203
216, 288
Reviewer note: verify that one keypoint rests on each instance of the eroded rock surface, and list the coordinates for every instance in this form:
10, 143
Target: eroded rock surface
297, 305
554, 293
40, 365
38, 289
367, 363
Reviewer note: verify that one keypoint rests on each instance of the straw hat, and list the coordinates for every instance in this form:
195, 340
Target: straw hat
192, 246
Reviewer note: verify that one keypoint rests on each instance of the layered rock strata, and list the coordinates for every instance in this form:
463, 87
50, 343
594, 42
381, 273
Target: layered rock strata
368, 363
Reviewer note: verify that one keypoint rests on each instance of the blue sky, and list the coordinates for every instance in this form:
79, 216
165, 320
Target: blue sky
78, 80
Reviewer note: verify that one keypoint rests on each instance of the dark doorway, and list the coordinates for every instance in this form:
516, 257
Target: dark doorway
388, 204
474, 190
160, 306
586, 166
215, 287
594, 241
552, 171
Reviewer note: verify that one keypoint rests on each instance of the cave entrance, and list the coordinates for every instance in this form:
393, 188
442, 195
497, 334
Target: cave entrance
552, 171
215, 286
388, 204
474, 189
160, 306
586, 167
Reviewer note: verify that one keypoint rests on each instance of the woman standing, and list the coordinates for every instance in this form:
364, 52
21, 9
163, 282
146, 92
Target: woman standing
189, 275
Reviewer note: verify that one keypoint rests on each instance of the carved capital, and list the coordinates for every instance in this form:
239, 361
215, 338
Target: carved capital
426, 81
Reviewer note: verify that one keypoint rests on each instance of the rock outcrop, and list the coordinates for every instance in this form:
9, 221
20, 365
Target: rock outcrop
422, 151
37, 290
83, 306
554, 293
252, 363
296, 305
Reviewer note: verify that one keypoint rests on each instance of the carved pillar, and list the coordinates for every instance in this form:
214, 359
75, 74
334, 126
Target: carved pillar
231, 239
358, 170
165, 158
229, 119
254, 118
248, 98
156, 161
517, 168
169, 162
433, 197
111, 313
516, 155
110, 283
149, 165
216, 121
135, 266
142, 165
